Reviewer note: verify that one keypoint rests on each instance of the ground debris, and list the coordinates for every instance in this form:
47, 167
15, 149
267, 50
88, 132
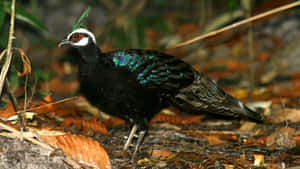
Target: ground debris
17, 154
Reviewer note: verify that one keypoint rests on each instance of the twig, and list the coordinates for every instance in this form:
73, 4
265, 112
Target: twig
259, 16
9, 46
53, 103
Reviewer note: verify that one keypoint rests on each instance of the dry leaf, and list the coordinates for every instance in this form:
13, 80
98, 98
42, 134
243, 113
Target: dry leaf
263, 56
113, 121
58, 86
187, 30
297, 140
239, 94
7, 112
213, 140
282, 137
26, 63
258, 159
247, 127
92, 124
292, 115
179, 120
262, 140
234, 65
85, 150
61, 108
48, 99
160, 154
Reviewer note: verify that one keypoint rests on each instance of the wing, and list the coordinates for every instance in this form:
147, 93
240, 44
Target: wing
154, 69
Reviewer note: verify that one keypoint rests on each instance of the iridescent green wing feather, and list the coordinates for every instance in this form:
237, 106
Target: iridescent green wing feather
154, 69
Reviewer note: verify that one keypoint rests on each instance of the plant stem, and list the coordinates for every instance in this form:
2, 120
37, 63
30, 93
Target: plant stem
6, 65
11, 30
9, 55
11, 96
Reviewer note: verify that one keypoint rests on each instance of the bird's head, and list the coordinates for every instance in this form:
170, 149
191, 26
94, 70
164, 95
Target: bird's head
79, 38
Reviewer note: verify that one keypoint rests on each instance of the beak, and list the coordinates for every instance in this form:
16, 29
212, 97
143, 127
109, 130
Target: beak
64, 42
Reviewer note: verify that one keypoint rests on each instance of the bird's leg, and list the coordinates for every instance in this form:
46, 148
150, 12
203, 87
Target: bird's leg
139, 141
130, 137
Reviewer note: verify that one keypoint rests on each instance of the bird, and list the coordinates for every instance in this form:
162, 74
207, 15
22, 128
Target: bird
135, 84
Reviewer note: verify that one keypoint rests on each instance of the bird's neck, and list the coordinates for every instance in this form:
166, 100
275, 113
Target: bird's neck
90, 53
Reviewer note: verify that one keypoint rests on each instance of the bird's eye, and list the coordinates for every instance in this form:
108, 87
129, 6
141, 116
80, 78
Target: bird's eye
76, 37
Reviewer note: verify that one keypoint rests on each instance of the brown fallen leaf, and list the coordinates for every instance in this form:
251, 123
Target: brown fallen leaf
84, 149
282, 137
261, 140
263, 56
287, 114
290, 92
297, 140
187, 30
240, 93
113, 121
92, 124
160, 154
179, 120
213, 140
236, 65
295, 76
58, 86
61, 108
7, 111
247, 127
224, 135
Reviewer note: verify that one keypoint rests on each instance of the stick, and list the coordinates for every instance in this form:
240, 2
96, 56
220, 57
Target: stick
9, 47
259, 16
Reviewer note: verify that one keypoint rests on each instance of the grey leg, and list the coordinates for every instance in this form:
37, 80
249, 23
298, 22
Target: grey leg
139, 141
130, 137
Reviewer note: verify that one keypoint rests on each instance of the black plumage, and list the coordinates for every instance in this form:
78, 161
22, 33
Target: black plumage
136, 84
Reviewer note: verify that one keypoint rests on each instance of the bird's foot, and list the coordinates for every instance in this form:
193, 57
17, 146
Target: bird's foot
130, 137
129, 141
139, 142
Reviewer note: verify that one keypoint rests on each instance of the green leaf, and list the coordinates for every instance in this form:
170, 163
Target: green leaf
2, 14
24, 16
232, 5
3, 104
81, 19
46, 75
215, 68
37, 75
43, 93
229, 81
120, 38
3, 39
34, 7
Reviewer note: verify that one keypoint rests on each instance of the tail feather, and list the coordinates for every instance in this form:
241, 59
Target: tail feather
204, 96
254, 116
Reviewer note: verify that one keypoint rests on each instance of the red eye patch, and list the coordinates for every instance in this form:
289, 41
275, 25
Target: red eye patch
76, 37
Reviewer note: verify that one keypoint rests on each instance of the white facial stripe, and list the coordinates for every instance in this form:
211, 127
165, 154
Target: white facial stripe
82, 30
83, 42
